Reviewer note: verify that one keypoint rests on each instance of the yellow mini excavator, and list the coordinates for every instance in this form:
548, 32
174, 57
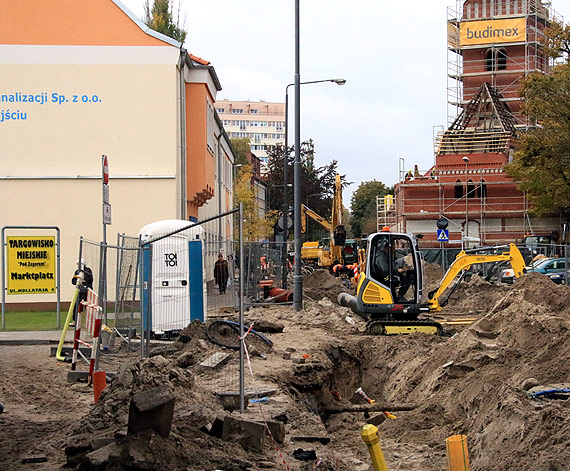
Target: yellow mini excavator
389, 292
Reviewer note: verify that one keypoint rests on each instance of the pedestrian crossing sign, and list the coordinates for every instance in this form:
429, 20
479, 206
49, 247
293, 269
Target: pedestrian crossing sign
443, 235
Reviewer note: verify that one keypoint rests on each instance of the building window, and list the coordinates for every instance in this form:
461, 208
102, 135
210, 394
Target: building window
501, 59
483, 190
495, 60
237, 111
220, 110
470, 189
490, 60
458, 189
252, 111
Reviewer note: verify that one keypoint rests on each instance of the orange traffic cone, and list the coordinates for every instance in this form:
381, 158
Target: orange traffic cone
99, 383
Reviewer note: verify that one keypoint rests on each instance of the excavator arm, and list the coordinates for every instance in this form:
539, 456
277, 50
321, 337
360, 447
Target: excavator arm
305, 211
464, 261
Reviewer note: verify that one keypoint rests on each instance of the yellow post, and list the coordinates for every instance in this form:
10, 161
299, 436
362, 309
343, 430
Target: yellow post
457, 453
68, 319
370, 437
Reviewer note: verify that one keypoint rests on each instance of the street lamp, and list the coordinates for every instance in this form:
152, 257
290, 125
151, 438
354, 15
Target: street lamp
285, 207
466, 160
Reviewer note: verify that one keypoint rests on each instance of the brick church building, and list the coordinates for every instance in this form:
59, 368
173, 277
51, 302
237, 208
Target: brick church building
492, 45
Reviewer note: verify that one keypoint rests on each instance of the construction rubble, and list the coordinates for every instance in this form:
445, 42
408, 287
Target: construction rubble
303, 412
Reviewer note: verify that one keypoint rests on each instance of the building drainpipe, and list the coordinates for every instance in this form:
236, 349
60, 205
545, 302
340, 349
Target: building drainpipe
181, 66
220, 191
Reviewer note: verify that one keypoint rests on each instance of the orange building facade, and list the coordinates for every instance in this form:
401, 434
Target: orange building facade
80, 79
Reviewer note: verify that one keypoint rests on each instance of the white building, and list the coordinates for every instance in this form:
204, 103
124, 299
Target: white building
262, 122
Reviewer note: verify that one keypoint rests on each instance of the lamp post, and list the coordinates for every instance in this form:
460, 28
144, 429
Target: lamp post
234, 166
285, 206
466, 160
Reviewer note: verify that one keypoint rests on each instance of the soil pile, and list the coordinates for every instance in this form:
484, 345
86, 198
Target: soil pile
321, 284
476, 296
472, 383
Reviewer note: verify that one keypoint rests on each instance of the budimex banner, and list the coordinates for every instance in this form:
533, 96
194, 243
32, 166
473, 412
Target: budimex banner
31, 265
493, 31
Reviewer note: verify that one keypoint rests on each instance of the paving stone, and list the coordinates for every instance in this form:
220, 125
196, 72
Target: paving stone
152, 409
215, 361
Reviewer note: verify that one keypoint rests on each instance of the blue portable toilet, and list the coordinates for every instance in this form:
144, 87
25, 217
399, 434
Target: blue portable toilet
173, 277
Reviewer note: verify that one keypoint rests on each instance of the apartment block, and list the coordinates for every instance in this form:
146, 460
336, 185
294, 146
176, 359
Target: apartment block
260, 121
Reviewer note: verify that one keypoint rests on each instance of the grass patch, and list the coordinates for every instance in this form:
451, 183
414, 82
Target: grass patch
41, 320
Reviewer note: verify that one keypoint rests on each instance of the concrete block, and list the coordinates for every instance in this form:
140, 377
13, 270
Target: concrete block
286, 355
99, 458
277, 431
34, 459
68, 351
217, 428
152, 409
251, 435
83, 376
215, 361
185, 360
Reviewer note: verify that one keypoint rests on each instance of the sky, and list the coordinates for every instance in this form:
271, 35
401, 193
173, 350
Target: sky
393, 56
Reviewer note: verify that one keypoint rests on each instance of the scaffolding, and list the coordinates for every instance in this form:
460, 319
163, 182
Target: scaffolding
495, 218
503, 71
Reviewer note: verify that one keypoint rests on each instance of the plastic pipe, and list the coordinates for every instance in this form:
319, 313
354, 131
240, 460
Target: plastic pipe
69, 318
370, 436
457, 453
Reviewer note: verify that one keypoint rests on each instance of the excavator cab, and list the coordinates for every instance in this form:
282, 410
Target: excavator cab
392, 285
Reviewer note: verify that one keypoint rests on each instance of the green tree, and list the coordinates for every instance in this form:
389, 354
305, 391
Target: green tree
162, 18
558, 44
241, 147
363, 206
255, 225
317, 183
542, 159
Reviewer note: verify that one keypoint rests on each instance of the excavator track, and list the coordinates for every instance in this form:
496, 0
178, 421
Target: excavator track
395, 327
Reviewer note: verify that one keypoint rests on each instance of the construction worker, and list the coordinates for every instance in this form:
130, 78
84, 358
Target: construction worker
87, 273
409, 175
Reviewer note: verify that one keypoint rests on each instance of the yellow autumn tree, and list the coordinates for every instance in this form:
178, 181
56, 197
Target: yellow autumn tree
256, 226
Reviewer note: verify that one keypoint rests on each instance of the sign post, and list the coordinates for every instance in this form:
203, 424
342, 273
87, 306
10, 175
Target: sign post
30, 265
442, 236
106, 220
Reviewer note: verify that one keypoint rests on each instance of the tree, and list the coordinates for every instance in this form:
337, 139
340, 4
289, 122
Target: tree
363, 206
255, 225
241, 147
542, 160
317, 183
162, 18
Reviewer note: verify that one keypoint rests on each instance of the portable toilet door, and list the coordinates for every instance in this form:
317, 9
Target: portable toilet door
172, 272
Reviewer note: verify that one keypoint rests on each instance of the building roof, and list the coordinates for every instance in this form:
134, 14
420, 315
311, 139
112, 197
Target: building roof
486, 124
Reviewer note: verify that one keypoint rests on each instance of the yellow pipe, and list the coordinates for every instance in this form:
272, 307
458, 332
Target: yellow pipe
370, 436
68, 319
457, 453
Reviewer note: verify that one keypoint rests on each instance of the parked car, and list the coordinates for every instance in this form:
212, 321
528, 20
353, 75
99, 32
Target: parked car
558, 277
548, 265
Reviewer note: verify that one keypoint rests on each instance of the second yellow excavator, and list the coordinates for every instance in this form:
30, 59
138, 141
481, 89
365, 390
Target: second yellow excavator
390, 288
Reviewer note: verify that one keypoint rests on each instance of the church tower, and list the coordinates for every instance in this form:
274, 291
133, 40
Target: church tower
497, 42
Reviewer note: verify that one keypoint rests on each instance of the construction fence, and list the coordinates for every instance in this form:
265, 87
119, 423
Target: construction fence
152, 287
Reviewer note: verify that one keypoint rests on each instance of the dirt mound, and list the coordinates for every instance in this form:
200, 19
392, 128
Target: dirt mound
321, 284
475, 295
472, 383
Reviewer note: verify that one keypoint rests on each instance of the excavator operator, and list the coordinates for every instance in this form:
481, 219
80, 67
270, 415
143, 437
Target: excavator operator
401, 279
402, 275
